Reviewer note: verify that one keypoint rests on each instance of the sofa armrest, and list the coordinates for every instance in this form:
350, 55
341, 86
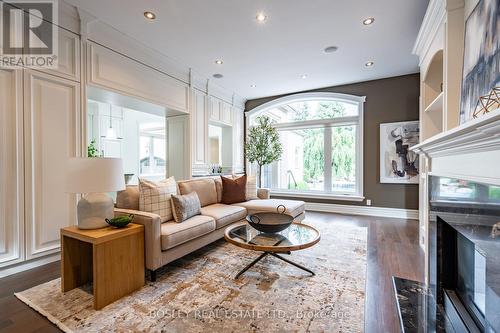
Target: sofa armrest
152, 234
263, 193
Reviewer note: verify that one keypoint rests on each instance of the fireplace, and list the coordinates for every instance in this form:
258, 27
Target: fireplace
464, 252
463, 294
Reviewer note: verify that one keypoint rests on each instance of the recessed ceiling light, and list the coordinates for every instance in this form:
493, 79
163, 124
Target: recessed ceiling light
218, 76
330, 49
219, 62
368, 21
261, 17
303, 76
369, 64
149, 15
253, 85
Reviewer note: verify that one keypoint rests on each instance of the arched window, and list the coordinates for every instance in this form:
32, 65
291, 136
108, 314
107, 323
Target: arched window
322, 138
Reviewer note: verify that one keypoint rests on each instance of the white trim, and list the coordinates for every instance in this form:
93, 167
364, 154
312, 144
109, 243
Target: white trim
317, 195
327, 151
318, 123
434, 16
360, 130
409, 214
357, 121
307, 97
29, 265
481, 134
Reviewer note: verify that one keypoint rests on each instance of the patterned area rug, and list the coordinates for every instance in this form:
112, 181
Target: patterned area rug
198, 293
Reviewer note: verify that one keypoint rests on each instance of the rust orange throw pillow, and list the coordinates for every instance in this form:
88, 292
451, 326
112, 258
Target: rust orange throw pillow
234, 191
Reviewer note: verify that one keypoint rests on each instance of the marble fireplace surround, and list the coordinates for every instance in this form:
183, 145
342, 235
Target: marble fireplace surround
469, 152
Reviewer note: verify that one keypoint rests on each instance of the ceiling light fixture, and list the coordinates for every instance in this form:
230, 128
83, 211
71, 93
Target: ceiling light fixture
330, 49
219, 62
368, 21
253, 85
149, 15
111, 132
261, 17
303, 76
369, 64
218, 76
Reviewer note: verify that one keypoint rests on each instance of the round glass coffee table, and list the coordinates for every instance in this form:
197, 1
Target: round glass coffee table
296, 237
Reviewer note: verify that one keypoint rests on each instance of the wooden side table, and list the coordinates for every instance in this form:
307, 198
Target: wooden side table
113, 259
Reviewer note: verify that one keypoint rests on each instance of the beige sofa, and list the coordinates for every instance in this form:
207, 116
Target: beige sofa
170, 240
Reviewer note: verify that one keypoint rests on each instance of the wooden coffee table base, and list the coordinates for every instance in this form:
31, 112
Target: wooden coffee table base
265, 254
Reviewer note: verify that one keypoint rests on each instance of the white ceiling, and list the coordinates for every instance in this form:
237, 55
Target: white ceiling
274, 54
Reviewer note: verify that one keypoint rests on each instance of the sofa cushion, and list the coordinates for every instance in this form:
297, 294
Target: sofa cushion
128, 198
218, 187
224, 214
234, 191
293, 207
173, 233
205, 188
251, 192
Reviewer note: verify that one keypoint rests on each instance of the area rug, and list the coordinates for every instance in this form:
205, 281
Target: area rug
198, 293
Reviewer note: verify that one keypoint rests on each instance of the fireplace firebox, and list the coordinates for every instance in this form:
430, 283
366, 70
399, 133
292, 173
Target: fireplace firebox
463, 294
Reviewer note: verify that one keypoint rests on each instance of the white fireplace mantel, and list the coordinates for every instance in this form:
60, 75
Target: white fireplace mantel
470, 151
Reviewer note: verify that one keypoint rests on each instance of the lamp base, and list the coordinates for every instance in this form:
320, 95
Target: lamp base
93, 209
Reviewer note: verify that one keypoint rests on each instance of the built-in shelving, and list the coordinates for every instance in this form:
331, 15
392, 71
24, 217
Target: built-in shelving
436, 105
433, 98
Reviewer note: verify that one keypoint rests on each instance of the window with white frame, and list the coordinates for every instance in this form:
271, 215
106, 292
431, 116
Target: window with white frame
322, 138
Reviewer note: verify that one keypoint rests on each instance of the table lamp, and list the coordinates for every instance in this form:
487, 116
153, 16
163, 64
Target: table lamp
93, 177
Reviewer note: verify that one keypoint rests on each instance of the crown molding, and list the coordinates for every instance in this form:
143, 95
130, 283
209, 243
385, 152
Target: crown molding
434, 16
99, 32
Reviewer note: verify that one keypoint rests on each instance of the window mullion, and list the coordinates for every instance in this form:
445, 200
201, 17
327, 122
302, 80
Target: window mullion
328, 159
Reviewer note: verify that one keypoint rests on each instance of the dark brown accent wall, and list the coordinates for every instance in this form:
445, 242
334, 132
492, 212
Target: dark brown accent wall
387, 100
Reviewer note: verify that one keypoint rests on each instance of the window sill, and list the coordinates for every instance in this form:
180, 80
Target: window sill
329, 196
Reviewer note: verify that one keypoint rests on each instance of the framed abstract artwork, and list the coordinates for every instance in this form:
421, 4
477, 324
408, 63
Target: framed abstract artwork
481, 69
397, 163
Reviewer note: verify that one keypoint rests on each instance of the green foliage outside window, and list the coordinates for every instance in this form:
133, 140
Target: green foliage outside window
343, 140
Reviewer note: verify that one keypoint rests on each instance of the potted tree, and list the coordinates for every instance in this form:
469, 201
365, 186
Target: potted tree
263, 145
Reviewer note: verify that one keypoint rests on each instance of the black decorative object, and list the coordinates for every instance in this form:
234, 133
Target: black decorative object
270, 222
120, 221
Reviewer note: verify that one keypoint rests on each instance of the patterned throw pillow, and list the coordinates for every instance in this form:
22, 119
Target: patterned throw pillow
185, 206
154, 197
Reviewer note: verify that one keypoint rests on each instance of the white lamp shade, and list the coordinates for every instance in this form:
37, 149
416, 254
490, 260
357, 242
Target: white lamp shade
95, 175
111, 133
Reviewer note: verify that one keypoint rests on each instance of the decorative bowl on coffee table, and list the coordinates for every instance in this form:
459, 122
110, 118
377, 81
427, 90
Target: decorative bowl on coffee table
270, 222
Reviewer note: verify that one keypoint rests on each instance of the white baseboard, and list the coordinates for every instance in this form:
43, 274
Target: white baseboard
24, 266
409, 214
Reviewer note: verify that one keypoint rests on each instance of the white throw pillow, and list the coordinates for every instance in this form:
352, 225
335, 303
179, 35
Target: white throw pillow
251, 191
155, 197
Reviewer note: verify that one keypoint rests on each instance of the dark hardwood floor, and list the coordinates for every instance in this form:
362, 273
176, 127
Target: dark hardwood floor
392, 250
